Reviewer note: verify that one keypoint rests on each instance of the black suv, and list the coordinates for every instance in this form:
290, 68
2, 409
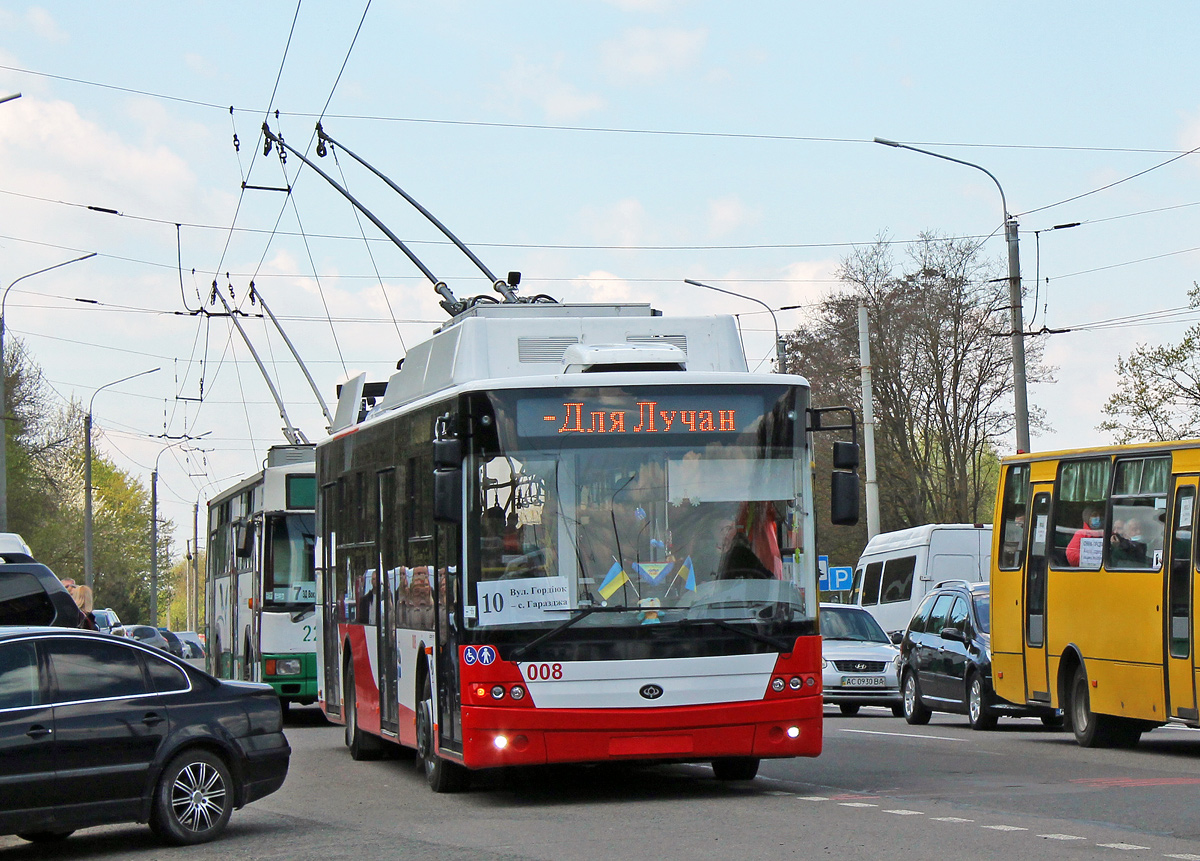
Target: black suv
946, 660
30, 594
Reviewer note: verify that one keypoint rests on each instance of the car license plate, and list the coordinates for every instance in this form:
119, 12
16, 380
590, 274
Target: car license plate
863, 681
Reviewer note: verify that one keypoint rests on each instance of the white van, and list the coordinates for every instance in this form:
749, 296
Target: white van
897, 569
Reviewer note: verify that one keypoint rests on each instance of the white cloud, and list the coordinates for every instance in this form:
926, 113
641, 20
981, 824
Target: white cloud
642, 55
544, 86
44, 25
601, 286
727, 214
624, 223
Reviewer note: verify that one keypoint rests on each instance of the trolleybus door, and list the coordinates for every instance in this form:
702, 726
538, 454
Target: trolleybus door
1180, 592
331, 598
1037, 684
447, 612
389, 570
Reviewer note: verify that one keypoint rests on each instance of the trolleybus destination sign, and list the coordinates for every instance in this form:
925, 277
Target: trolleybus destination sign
637, 414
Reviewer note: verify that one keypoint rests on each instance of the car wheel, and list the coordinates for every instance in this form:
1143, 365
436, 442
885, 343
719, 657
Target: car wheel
45, 836
193, 799
979, 713
915, 713
848, 710
735, 768
442, 775
362, 745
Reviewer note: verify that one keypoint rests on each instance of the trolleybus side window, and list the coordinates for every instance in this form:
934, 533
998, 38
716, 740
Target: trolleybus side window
1013, 517
1139, 508
1081, 501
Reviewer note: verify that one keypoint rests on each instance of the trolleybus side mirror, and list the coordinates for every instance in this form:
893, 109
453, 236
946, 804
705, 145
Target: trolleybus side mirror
447, 454
843, 501
447, 495
845, 455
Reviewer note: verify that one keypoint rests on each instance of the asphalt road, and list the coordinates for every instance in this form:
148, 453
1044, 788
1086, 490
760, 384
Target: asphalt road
880, 789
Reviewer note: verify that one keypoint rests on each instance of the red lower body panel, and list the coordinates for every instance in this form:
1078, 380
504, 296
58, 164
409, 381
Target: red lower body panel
767, 729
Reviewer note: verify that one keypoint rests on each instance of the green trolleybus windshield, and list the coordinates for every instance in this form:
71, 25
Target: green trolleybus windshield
616, 508
289, 582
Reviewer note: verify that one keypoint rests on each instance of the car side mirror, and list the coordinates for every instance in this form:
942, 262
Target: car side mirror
897, 637
953, 634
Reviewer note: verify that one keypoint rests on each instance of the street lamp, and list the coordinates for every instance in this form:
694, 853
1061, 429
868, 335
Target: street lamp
4, 99
154, 525
1014, 292
779, 351
3, 396
88, 576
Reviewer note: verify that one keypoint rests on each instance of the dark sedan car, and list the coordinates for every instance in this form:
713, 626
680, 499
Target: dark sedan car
946, 660
97, 730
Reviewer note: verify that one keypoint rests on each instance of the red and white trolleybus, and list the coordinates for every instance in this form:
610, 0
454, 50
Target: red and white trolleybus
574, 533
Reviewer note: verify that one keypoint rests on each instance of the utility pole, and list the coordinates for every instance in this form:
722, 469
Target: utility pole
1020, 396
194, 624
868, 406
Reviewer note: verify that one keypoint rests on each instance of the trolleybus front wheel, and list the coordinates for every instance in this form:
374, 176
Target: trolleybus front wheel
735, 768
443, 776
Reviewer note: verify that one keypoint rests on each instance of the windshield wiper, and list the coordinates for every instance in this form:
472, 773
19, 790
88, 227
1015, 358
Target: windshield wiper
782, 646
583, 613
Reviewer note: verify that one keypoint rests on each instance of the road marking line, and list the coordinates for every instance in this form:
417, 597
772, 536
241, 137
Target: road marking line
951, 819
856, 804
1126, 847
1183, 856
776, 792
1004, 827
906, 812
823, 798
903, 734
1061, 837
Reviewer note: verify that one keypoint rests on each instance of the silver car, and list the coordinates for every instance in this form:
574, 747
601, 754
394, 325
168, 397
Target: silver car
860, 666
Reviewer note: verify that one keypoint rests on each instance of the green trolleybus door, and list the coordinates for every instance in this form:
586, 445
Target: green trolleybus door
1037, 684
1180, 591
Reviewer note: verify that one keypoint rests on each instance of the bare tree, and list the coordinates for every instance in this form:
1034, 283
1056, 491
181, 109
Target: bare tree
941, 369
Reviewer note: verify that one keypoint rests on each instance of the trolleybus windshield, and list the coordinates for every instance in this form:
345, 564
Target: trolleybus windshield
289, 582
677, 505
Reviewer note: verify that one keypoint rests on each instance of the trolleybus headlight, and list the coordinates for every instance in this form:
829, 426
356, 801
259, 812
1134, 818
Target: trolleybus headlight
284, 667
500, 741
810, 681
497, 692
793, 732
795, 683
517, 692
777, 685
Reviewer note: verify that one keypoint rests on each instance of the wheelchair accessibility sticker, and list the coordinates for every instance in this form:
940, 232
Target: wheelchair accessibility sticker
483, 655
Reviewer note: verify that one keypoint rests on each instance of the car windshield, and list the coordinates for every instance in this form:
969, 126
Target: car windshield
695, 523
983, 611
848, 623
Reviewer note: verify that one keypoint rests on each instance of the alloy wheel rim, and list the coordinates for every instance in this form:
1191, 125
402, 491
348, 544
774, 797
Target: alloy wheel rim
976, 705
198, 797
910, 694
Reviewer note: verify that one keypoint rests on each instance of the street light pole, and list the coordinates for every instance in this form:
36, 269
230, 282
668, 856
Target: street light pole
779, 350
88, 575
4, 395
1020, 394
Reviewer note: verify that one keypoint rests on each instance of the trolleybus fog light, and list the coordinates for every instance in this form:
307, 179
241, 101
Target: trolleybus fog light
777, 685
793, 732
501, 742
497, 692
795, 683
517, 692
810, 681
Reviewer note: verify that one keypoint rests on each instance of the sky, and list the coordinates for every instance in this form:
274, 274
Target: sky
605, 149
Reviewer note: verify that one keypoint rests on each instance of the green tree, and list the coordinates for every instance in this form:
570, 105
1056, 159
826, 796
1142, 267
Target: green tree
1158, 390
45, 457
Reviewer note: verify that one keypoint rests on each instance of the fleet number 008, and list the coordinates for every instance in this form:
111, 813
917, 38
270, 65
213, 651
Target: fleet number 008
543, 672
